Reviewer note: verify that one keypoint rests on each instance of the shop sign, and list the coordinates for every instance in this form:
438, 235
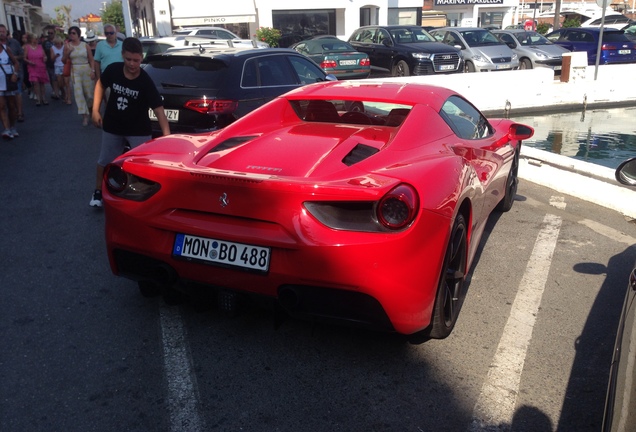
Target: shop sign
466, 2
212, 20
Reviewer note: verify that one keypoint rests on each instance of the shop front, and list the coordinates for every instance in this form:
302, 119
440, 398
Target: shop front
478, 13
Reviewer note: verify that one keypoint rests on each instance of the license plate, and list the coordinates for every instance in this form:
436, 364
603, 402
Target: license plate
222, 252
171, 114
557, 68
503, 66
446, 67
624, 51
348, 62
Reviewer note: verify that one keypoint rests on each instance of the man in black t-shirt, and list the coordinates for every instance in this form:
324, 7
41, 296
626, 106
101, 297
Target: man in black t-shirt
126, 121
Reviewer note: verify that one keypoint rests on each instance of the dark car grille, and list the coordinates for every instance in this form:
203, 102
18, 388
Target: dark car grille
498, 60
440, 60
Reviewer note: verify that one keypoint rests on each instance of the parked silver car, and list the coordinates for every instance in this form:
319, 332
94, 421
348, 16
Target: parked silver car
481, 49
533, 49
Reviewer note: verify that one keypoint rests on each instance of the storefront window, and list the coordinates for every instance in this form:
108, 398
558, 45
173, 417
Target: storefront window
454, 19
297, 25
491, 19
404, 16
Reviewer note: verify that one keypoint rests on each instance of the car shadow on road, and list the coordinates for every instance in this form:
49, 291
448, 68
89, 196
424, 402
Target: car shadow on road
585, 394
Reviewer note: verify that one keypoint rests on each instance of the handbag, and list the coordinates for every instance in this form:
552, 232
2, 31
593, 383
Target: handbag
67, 68
11, 85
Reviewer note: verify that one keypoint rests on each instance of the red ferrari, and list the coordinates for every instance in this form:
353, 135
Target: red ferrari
355, 201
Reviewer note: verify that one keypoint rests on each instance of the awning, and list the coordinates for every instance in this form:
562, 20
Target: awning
196, 12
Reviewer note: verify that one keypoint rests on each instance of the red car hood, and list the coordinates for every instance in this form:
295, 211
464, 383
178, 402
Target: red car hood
305, 150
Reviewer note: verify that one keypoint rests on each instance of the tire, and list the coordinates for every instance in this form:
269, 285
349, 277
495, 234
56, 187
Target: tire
450, 290
512, 181
355, 106
149, 289
525, 64
469, 67
401, 69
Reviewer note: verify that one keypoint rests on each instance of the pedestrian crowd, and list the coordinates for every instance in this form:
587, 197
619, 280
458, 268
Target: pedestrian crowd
63, 65
90, 70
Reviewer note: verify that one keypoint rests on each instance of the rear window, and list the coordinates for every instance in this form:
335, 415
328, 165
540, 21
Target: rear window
188, 72
615, 37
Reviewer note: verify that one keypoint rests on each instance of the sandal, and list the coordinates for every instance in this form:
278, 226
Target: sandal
45, 102
21, 118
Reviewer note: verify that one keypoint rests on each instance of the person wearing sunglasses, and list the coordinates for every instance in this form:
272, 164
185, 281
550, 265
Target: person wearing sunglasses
107, 51
82, 71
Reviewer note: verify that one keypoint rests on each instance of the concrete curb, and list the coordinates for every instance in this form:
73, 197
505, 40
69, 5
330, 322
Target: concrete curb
583, 180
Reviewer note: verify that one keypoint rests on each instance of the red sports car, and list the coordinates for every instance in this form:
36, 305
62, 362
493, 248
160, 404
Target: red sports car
355, 201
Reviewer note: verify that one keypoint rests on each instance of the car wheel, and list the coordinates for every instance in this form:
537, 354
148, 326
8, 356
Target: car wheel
149, 289
469, 67
450, 292
525, 64
401, 69
511, 186
354, 106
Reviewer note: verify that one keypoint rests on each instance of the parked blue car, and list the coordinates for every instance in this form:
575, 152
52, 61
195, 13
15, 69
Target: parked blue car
616, 48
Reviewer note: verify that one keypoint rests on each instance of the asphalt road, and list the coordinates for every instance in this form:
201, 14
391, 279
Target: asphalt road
81, 350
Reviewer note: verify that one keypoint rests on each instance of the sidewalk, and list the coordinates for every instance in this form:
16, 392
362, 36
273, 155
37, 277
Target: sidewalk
536, 91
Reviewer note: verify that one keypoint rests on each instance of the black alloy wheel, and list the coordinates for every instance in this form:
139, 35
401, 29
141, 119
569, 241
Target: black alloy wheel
511, 185
450, 292
401, 69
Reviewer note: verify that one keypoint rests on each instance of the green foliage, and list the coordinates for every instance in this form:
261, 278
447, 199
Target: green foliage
571, 22
113, 13
63, 16
543, 28
269, 35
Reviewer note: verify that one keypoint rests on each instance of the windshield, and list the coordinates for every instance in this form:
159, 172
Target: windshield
531, 38
476, 38
410, 35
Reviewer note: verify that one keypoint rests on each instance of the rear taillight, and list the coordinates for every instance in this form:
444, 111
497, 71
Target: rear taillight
126, 185
328, 64
398, 208
211, 106
608, 47
365, 62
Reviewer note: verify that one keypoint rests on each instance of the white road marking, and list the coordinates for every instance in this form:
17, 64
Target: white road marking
496, 403
183, 401
609, 232
558, 202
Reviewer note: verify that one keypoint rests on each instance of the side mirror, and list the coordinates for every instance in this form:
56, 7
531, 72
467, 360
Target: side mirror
511, 45
386, 42
626, 172
519, 132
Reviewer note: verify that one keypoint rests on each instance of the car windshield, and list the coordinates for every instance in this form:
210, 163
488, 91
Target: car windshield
410, 35
186, 72
476, 38
532, 38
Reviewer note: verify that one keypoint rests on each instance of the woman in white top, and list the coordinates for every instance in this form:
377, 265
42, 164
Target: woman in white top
9, 65
57, 51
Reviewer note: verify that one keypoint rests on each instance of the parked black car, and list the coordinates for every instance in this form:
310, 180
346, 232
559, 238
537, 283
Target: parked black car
204, 90
406, 50
620, 405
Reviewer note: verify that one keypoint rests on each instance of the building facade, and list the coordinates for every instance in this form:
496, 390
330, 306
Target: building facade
295, 19
23, 15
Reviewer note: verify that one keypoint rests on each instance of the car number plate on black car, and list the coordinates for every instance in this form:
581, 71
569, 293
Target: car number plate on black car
222, 252
171, 114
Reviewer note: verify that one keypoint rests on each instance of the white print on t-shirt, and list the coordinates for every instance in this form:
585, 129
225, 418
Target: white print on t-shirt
122, 103
125, 91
